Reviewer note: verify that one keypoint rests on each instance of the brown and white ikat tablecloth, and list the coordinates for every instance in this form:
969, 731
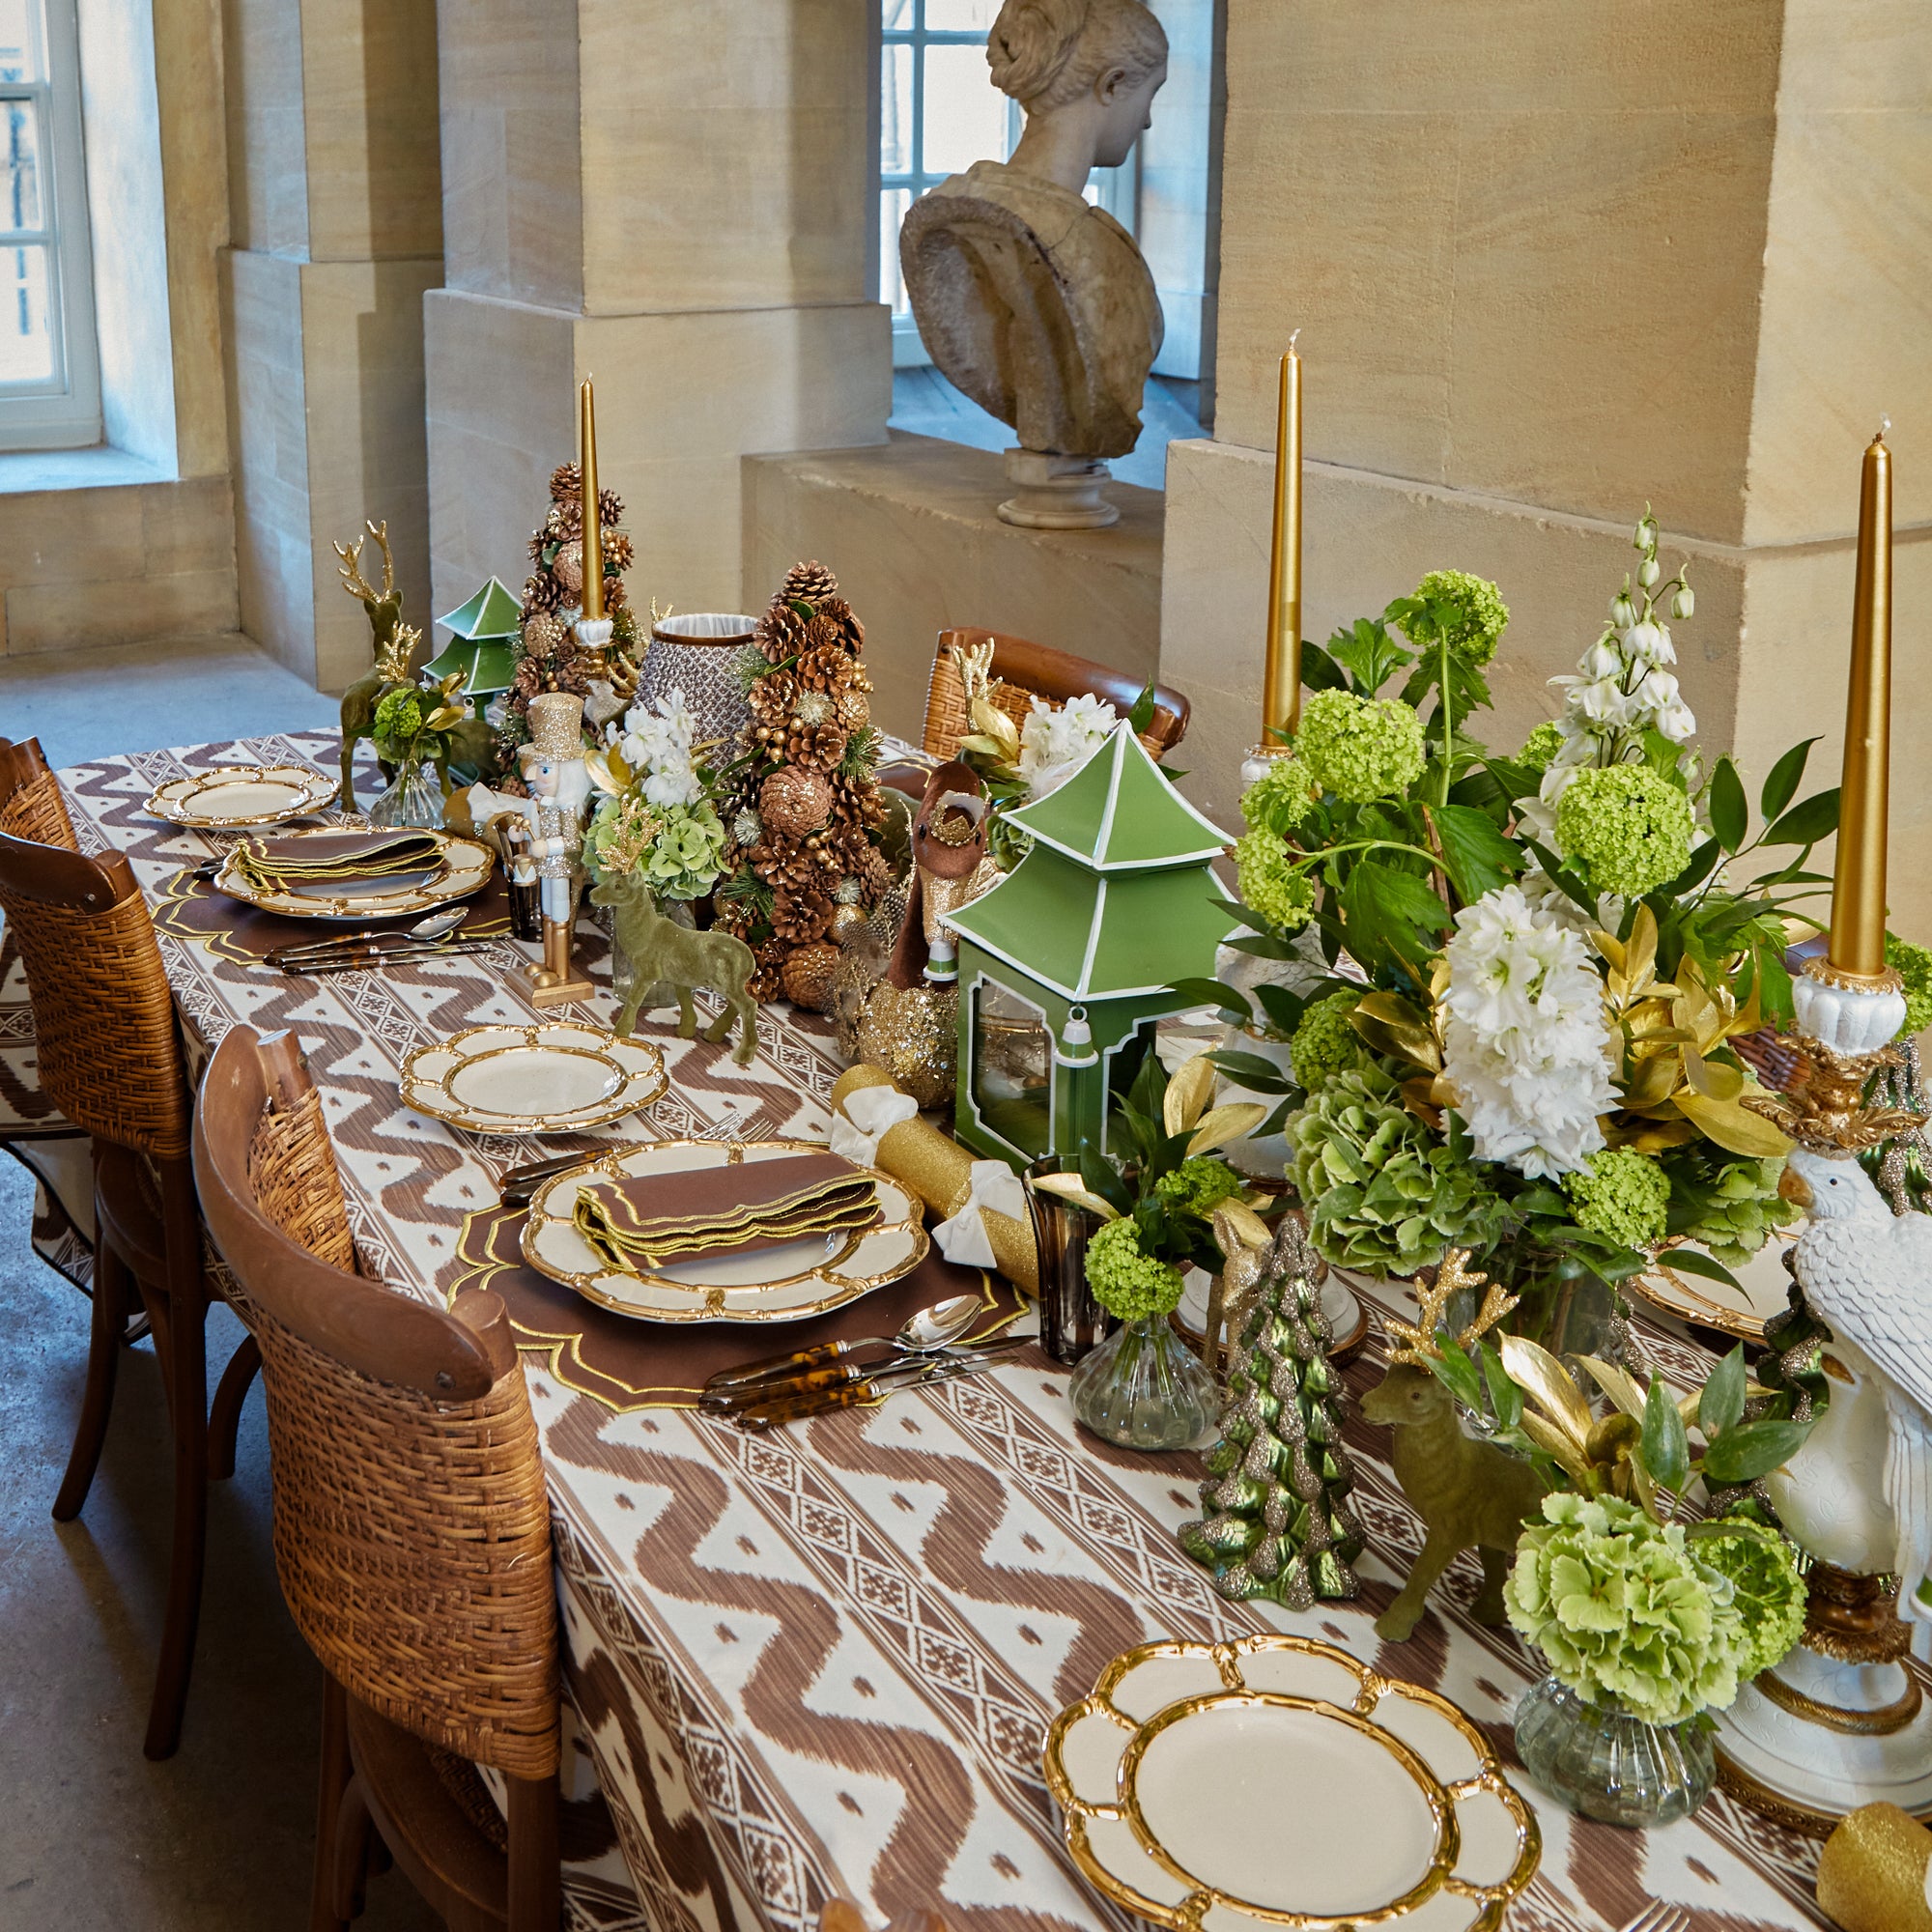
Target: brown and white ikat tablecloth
820, 1662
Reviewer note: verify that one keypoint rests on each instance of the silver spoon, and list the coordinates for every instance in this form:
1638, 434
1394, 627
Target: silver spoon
930, 1329
434, 927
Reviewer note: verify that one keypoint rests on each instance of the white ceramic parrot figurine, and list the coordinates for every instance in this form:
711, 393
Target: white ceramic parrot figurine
1866, 1273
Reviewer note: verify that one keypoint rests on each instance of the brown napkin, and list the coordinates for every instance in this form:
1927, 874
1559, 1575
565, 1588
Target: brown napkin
661, 1218
340, 858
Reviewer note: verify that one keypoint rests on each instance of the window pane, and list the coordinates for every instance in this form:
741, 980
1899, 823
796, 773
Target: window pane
26, 336
896, 110
893, 206
22, 40
19, 165
965, 113
956, 16
896, 16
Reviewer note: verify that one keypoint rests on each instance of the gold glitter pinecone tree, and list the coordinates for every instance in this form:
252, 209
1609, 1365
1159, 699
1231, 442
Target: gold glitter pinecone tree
804, 814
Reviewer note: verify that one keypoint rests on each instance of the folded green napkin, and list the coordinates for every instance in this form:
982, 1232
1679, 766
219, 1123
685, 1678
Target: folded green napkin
661, 1218
335, 858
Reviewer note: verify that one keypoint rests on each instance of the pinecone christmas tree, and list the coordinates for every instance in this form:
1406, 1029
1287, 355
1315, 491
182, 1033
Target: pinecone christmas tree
548, 655
804, 812
1276, 1521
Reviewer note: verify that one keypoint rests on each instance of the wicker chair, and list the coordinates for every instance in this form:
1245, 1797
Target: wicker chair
411, 1525
110, 1060
1025, 671
31, 1129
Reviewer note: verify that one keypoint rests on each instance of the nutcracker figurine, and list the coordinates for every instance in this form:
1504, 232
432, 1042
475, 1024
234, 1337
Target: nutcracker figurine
554, 769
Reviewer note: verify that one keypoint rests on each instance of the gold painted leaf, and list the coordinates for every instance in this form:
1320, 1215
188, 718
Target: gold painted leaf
1711, 1078
1732, 1126
1246, 1224
1552, 1441
1067, 1186
1188, 1094
1222, 1125
1617, 1384
1539, 1374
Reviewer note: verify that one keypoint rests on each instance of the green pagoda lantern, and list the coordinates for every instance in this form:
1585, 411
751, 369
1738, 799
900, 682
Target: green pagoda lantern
1064, 965
482, 645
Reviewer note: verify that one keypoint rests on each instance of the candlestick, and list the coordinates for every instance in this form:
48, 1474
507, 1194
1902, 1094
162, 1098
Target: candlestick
1858, 881
1281, 684
593, 530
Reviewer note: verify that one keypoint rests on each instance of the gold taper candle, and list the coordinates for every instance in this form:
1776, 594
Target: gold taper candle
1281, 683
593, 529
1858, 881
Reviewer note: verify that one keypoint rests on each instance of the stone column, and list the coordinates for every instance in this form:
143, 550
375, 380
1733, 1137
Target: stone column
1550, 264
336, 212
677, 201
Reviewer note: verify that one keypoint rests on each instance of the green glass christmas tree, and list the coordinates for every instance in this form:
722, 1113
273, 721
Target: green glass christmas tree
1275, 1516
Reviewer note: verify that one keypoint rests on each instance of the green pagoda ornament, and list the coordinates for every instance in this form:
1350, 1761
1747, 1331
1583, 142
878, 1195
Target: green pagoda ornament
481, 646
1066, 965
1276, 1521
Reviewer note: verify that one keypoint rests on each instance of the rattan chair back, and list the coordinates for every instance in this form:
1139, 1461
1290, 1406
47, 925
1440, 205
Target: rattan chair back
1025, 671
110, 1057
411, 1527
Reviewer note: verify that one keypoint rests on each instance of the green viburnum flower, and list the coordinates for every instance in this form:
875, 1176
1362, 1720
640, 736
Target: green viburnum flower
1480, 616
1624, 1612
399, 721
1541, 746
1360, 747
1380, 1191
1745, 1212
1281, 799
1622, 1196
1767, 1592
1627, 825
1198, 1185
1914, 965
1325, 1044
1125, 1282
1270, 885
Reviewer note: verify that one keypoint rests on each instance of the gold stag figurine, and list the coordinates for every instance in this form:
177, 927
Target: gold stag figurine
394, 644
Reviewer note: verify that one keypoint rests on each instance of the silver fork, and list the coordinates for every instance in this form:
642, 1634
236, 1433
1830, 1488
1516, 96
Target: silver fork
1659, 1916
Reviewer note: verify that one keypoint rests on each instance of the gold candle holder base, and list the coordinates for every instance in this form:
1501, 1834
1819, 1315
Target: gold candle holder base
555, 982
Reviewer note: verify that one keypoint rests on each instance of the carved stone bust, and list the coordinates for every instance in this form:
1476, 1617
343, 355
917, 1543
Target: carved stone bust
1033, 303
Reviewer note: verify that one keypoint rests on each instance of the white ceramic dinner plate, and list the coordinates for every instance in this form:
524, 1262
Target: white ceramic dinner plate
1762, 1294
465, 868
549, 1079
237, 795
1278, 1782
781, 1284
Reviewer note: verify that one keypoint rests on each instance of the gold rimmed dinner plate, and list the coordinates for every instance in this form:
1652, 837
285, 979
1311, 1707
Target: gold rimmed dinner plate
1762, 1294
461, 867
1278, 1782
554, 1079
237, 795
779, 1284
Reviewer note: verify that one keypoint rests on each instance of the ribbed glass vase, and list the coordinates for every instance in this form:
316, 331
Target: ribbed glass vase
1608, 1764
414, 798
1145, 1388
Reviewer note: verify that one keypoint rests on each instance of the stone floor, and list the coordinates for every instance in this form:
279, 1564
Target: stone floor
92, 1836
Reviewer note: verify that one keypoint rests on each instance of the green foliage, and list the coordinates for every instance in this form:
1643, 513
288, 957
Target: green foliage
1281, 801
1326, 1043
1914, 965
1271, 884
1623, 1196
1768, 1594
1728, 1205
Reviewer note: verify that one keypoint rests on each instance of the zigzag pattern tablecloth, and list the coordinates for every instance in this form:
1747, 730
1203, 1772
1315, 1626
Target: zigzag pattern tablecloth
822, 1662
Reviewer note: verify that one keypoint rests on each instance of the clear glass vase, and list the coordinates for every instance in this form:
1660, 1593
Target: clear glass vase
414, 797
660, 993
1604, 1762
1145, 1388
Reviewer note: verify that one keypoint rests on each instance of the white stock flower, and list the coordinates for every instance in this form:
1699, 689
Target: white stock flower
1602, 659
1054, 744
657, 744
1526, 1045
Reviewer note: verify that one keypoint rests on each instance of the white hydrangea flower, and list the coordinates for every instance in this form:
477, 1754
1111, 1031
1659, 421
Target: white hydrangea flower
1526, 1045
1054, 744
657, 744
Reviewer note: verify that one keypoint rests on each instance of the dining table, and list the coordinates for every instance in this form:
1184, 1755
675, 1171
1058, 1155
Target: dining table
820, 1662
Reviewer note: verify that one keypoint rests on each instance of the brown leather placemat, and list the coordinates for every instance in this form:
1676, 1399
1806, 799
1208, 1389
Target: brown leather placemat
627, 1364
192, 908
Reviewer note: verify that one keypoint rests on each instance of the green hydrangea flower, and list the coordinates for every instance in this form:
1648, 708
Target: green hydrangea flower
678, 850
1481, 614
1360, 747
1198, 1185
1270, 885
1622, 1196
1630, 826
1767, 1592
1326, 1043
1125, 1282
1624, 1613
1914, 965
1380, 1191
1745, 1212
1281, 799
399, 721
1541, 746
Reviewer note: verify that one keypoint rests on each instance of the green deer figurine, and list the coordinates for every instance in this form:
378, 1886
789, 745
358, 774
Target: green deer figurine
660, 949
394, 644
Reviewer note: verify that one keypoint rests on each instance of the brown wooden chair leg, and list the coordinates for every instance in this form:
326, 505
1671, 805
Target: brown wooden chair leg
224, 1419
323, 1915
188, 1381
536, 1875
348, 1862
97, 1402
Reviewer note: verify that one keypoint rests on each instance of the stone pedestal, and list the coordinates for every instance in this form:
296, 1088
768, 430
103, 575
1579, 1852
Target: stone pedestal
1056, 493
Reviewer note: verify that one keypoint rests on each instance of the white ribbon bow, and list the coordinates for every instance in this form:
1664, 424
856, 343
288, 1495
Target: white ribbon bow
865, 1119
963, 1238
